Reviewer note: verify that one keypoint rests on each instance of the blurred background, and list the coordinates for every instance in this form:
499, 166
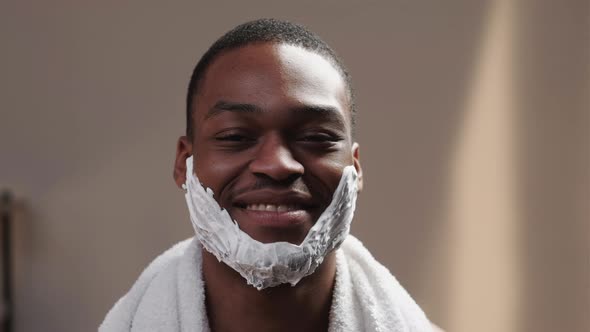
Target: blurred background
473, 122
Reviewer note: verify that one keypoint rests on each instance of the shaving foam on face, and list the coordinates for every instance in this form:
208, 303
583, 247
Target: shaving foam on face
269, 264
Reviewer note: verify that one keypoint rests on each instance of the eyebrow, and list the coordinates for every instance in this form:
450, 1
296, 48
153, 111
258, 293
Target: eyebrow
329, 113
226, 106
326, 112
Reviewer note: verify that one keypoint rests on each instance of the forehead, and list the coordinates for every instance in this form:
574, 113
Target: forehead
273, 77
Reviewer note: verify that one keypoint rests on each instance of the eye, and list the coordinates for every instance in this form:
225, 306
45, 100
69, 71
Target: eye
233, 138
319, 141
318, 138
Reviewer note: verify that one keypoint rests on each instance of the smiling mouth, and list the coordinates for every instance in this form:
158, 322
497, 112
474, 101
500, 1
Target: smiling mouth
264, 212
273, 207
273, 216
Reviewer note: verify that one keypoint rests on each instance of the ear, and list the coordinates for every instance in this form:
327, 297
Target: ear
357, 165
184, 149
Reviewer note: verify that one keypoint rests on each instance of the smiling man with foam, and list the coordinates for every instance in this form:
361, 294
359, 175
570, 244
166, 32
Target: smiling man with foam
271, 172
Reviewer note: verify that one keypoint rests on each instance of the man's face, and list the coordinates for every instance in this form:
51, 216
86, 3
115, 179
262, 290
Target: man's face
271, 138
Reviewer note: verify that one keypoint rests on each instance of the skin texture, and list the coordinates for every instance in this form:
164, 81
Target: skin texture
272, 125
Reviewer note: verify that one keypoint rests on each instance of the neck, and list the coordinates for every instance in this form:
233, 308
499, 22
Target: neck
233, 305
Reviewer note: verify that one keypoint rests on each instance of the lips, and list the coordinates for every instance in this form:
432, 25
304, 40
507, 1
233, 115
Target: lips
275, 209
270, 200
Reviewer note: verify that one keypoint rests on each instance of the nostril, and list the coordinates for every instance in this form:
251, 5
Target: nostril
291, 178
276, 161
266, 180
277, 173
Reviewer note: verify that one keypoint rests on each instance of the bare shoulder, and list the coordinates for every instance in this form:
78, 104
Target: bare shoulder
436, 328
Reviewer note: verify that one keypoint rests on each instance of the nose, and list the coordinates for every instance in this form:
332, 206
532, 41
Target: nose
274, 160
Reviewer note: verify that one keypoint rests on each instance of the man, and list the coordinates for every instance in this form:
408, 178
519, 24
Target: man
269, 145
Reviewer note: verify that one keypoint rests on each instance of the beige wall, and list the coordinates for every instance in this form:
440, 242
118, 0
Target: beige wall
474, 131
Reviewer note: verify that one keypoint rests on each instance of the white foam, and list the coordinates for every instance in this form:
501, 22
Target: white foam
269, 264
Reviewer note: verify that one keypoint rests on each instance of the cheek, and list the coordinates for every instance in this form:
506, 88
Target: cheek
328, 170
216, 170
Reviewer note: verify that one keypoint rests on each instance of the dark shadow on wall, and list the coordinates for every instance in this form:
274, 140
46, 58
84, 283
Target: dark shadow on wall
24, 298
552, 54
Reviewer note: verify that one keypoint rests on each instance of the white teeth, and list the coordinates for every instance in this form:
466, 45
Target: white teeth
271, 207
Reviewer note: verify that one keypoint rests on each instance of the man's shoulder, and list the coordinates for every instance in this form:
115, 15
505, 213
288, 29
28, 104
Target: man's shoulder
160, 264
173, 253
122, 313
381, 280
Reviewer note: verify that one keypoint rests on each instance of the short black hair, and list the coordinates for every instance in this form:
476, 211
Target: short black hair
260, 31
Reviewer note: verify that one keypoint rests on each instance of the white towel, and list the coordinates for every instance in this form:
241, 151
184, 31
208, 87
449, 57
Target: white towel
169, 296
